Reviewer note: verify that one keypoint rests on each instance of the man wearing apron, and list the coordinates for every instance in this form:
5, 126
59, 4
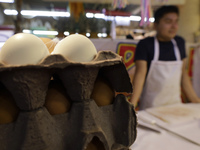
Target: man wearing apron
160, 64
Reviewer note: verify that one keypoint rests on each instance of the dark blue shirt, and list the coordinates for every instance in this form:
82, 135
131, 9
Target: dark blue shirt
145, 50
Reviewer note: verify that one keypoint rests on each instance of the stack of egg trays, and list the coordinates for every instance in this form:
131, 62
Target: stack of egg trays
35, 129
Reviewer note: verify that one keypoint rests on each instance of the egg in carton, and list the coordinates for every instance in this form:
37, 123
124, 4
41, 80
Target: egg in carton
63, 104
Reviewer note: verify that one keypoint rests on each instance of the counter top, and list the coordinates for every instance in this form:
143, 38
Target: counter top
166, 140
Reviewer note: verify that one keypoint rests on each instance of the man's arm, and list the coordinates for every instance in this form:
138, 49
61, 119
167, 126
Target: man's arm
138, 80
187, 85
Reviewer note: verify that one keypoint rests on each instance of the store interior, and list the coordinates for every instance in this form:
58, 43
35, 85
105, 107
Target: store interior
91, 17
106, 23
78, 19
113, 28
95, 19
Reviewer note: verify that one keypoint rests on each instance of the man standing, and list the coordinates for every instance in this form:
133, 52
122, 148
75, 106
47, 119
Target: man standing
160, 64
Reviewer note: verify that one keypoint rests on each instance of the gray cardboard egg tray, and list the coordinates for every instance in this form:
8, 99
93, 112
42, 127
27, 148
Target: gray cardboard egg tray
35, 129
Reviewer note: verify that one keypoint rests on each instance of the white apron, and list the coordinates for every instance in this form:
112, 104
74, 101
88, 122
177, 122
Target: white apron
162, 86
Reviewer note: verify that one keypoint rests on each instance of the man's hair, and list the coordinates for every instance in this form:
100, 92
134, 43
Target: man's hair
160, 12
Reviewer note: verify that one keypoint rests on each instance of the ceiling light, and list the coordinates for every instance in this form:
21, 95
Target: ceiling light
7, 1
99, 16
10, 12
135, 18
102, 35
38, 13
40, 32
96, 15
151, 19
88, 34
122, 21
66, 33
109, 18
67, 14
45, 13
89, 15
26, 31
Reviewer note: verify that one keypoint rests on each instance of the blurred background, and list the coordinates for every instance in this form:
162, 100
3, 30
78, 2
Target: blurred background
116, 19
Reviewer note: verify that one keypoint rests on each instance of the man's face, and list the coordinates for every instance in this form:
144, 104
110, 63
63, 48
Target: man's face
167, 27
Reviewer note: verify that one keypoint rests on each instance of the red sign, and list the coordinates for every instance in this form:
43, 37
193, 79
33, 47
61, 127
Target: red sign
127, 51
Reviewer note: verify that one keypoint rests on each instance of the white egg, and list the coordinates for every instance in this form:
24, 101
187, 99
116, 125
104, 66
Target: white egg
76, 48
23, 49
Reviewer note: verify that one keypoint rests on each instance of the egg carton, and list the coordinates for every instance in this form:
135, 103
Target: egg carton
35, 128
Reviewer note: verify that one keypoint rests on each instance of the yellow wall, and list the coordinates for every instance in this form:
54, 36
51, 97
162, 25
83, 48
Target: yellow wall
189, 22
